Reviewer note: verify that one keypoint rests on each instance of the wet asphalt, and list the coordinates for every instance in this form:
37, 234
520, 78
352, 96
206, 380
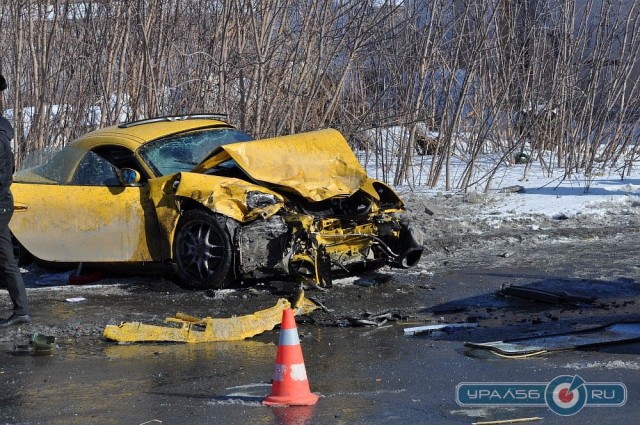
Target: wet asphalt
364, 373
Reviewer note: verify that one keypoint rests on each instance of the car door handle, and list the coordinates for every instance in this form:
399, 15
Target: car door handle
20, 207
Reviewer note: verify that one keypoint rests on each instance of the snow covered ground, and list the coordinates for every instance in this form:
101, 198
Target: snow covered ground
553, 197
538, 195
542, 192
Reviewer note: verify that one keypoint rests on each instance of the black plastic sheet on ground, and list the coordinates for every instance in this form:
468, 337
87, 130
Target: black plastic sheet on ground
615, 333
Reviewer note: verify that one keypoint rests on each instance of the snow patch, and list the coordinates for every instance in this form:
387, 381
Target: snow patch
472, 413
615, 364
346, 281
221, 294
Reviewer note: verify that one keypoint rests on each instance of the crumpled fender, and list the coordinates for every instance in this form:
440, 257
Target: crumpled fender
226, 196
223, 195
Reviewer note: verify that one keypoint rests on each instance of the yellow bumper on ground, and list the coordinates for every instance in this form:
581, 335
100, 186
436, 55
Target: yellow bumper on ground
194, 330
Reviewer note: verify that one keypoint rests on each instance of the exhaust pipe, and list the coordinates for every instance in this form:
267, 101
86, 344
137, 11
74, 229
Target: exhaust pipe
411, 248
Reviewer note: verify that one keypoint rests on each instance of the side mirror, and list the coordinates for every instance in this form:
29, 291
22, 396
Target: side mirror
129, 177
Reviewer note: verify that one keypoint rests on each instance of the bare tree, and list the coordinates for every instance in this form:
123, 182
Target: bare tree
555, 80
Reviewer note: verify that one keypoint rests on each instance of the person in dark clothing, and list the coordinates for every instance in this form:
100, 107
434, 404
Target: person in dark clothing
9, 269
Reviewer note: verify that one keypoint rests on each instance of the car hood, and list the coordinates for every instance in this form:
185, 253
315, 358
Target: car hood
317, 165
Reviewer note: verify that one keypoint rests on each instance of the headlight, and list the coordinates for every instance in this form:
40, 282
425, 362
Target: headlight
260, 200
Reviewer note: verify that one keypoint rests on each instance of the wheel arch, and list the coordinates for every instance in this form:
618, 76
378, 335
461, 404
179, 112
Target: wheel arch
228, 256
185, 205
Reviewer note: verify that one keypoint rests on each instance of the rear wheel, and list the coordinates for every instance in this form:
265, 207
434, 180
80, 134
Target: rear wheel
22, 256
203, 251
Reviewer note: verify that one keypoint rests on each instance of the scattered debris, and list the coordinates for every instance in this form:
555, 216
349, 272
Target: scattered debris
322, 306
75, 299
429, 328
367, 322
43, 343
194, 330
509, 421
376, 329
371, 319
615, 333
544, 296
39, 345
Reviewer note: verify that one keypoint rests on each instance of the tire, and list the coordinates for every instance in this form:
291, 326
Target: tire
203, 251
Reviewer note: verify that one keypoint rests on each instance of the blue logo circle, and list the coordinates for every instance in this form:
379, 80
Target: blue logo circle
566, 395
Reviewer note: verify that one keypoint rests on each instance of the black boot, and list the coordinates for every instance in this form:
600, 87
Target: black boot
15, 319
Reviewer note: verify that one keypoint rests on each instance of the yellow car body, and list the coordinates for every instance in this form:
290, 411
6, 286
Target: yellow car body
195, 192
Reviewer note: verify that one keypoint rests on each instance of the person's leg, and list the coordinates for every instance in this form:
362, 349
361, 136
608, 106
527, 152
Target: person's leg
9, 265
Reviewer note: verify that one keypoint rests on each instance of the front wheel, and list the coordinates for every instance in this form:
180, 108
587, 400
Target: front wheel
203, 251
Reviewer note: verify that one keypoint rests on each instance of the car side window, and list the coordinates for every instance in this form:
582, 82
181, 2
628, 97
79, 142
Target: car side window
121, 157
94, 170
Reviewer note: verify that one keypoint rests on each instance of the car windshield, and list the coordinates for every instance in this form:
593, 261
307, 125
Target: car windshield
183, 152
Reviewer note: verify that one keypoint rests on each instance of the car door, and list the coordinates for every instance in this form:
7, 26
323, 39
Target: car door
91, 218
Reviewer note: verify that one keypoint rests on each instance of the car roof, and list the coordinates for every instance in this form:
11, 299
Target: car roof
136, 133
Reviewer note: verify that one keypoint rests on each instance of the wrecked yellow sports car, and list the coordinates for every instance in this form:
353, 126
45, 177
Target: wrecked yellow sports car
197, 193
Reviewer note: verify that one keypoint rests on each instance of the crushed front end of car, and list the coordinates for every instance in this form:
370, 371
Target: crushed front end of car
331, 218
321, 246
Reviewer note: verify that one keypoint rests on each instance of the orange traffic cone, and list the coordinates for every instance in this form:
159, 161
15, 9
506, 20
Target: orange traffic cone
290, 386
